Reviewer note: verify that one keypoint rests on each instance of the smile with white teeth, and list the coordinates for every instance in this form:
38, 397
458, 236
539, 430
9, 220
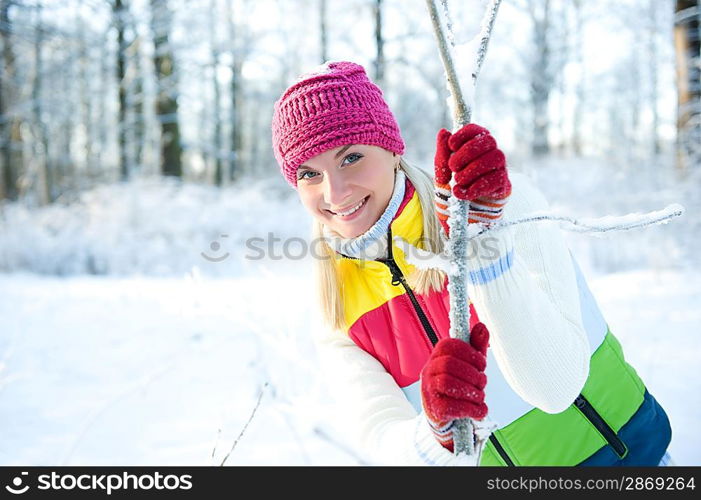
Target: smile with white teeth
350, 211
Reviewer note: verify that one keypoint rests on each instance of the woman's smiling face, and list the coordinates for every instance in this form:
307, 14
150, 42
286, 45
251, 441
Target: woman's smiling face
347, 188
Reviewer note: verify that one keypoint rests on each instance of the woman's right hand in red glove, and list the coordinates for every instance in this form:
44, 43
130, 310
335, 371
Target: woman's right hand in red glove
453, 382
479, 166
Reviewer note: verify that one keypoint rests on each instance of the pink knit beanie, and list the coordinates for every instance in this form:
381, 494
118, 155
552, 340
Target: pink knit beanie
332, 106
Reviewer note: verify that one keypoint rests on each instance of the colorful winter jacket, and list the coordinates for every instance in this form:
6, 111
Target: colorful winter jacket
608, 416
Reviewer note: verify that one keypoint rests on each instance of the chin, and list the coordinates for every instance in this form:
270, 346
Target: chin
349, 230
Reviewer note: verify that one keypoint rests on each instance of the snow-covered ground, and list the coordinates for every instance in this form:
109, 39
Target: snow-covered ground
101, 370
656, 316
163, 364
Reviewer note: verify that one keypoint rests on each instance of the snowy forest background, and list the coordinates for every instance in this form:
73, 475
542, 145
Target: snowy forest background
137, 324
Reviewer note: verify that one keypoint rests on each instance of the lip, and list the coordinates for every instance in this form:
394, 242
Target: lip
354, 214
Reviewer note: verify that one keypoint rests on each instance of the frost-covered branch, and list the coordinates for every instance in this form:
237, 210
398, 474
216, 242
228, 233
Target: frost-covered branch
591, 224
461, 112
485, 35
424, 260
458, 209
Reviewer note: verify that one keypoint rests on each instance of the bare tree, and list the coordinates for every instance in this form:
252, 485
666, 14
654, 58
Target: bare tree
216, 90
540, 74
323, 44
688, 46
579, 86
10, 120
85, 91
135, 100
106, 82
39, 129
65, 177
239, 42
129, 79
166, 101
653, 65
119, 10
379, 45
562, 50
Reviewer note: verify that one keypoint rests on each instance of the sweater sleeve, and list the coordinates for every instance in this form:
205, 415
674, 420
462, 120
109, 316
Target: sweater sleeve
374, 409
524, 289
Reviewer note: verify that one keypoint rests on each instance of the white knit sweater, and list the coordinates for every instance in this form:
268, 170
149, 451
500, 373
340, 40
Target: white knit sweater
536, 335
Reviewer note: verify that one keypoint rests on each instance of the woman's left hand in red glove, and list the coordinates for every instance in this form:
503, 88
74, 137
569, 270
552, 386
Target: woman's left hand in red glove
453, 382
479, 166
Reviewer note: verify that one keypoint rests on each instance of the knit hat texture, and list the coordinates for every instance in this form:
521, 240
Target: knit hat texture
333, 105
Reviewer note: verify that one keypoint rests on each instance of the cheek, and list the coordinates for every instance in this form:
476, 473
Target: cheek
311, 200
308, 201
377, 179
383, 182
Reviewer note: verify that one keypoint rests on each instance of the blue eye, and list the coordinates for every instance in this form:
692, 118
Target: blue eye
303, 174
354, 156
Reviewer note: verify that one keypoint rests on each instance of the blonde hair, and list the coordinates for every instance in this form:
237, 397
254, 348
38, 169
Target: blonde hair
329, 282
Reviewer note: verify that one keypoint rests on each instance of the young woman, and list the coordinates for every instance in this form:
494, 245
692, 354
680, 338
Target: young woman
554, 379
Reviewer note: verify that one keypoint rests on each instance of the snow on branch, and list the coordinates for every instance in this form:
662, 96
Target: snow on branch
603, 224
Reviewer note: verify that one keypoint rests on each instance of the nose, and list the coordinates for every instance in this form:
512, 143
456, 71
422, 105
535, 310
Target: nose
337, 190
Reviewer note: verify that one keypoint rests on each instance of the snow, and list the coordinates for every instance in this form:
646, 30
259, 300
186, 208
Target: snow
656, 317
159, 356
107, 370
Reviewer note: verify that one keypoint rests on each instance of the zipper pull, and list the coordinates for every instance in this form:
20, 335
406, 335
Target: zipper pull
396, 272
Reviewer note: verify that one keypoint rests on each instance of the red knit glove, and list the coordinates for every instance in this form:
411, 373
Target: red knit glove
453, 381
481, 177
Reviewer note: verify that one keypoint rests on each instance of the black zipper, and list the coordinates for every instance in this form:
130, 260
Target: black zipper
593, 416
501, 451
397, 278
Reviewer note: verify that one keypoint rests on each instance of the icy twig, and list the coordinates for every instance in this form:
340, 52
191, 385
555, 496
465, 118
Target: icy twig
423, 259
260, 397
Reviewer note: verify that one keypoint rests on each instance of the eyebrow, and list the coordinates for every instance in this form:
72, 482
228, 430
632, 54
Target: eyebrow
340, 152
343, 150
